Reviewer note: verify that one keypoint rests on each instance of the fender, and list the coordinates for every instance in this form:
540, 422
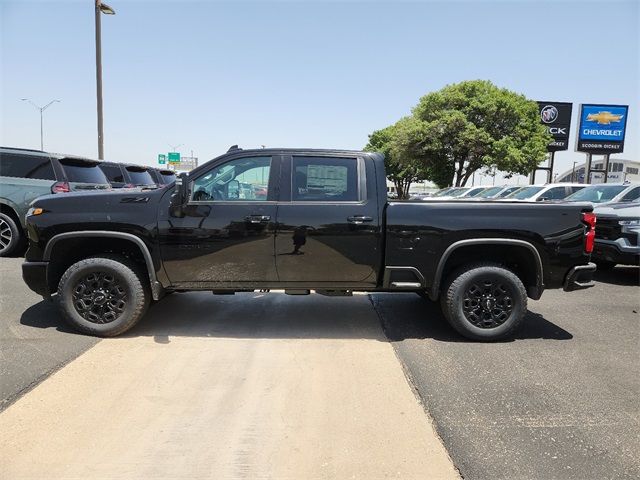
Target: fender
488, 241
156, 286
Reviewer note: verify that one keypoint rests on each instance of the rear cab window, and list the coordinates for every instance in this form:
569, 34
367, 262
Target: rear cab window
113, 173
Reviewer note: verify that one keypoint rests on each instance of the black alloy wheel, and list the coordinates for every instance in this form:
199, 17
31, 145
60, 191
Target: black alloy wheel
99, 297
487, 302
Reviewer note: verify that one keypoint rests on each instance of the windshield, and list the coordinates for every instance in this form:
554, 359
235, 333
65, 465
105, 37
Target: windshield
474, 192
489, 192
596, 193
81, 172
140, 177
508, 191
442, 192
524, 193
456, 192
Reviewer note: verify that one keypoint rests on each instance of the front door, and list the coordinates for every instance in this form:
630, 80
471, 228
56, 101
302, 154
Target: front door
329, 231
226, 236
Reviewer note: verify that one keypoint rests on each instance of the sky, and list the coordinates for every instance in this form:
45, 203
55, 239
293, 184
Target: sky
206, 75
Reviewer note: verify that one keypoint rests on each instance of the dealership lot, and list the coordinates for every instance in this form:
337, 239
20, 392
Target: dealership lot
255, 375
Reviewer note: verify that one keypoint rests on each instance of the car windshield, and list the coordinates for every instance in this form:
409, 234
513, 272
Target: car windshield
456, 192
83, 172
508, 191
596, 193
140, 177
489, 192
524, 193
442, 192
474, 192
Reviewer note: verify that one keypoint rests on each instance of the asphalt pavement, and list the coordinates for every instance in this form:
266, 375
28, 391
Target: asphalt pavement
561, 401
33, 341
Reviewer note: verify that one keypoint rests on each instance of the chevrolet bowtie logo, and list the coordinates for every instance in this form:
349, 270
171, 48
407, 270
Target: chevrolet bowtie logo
604, 118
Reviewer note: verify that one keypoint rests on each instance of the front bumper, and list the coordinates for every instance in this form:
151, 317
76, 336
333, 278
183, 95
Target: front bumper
34, 275
579, 277
617, 251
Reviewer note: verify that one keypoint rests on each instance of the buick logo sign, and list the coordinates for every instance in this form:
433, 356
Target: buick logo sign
549, 114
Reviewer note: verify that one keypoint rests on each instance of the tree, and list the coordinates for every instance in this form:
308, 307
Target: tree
401, 168
470, 126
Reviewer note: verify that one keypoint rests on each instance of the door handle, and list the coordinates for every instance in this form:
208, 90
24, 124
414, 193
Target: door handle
359, 219
257, 218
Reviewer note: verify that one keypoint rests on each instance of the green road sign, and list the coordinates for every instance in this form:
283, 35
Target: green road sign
162, 158
174, 157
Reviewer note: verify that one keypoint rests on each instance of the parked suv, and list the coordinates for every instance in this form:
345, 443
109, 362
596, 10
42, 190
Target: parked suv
28, 174
163, 176
123, 175
617, 235
602, 193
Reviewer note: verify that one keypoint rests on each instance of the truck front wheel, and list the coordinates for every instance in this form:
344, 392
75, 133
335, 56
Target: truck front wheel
103, 296
484, 302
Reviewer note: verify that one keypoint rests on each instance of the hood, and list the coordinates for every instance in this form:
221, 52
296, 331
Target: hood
627, 209
98, 200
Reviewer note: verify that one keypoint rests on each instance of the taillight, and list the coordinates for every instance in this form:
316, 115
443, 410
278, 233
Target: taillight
60, 187
590, 219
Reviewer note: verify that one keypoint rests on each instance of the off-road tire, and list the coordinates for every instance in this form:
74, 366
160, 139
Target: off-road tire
11, 236
455, 298
126, 274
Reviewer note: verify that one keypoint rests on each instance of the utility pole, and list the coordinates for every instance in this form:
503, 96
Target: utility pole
107, 10
41, 109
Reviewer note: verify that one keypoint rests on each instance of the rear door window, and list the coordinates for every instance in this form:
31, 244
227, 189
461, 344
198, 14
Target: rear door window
113, 173
556, 193
325, 179
26, 166
140, 176
78, 171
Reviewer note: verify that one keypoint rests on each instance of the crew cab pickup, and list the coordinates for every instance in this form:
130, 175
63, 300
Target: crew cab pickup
301, 220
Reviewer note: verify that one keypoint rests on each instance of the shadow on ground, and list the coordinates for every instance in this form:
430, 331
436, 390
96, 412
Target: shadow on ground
275, 315
621, 275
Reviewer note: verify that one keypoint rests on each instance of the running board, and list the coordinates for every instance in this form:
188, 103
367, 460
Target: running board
405, 285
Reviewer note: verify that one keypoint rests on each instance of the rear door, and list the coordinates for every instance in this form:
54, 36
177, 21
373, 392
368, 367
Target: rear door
328, 227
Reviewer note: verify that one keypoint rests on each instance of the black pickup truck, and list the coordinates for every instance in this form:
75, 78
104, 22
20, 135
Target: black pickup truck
300, 220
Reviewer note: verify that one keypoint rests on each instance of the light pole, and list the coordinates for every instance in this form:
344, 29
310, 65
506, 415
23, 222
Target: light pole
42, 109
107, 10
573, 173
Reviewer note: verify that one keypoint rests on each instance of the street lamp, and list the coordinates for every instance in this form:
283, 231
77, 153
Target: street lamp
42, 109
107, 10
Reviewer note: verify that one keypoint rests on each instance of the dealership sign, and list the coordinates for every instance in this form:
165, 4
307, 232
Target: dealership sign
602, 128
556, 116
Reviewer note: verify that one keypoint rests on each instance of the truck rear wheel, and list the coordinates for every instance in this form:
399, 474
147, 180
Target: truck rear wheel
103, 296
484, 302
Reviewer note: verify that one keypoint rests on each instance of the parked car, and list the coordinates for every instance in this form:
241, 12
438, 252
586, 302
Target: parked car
162, 176
28, 174
549, 191
617, 234
607, 193
473, 192
498, 192
124, 175
451, 193
326, 224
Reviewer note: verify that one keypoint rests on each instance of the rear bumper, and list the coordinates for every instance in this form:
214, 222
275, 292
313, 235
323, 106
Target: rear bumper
617, 251
34, 275
579, 277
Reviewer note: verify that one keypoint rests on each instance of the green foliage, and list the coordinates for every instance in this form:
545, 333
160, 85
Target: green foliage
463, 128
402, 169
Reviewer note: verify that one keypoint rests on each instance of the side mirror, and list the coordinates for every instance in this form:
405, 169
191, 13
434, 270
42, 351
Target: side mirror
179, 196
233, 190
